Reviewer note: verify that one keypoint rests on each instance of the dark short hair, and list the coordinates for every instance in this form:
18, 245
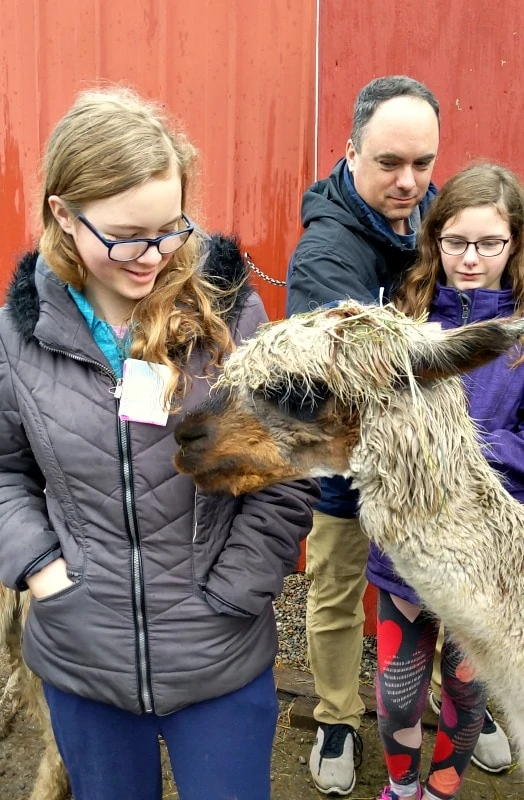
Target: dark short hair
378, 91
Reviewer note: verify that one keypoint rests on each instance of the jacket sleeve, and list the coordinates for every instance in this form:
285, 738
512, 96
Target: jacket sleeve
262, 548
252, 315
27, 542
319, 277
504, 449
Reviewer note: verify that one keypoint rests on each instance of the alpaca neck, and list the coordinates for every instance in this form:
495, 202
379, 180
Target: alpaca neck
418, 460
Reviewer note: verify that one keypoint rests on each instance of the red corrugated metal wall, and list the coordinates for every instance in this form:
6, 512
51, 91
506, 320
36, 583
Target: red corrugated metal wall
242, 78
469, 53
240, 75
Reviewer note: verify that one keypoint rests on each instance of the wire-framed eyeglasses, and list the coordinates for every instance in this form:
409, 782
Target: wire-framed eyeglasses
131, 249
456, 246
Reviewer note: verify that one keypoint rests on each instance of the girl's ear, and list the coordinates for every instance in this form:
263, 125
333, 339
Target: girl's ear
61, 213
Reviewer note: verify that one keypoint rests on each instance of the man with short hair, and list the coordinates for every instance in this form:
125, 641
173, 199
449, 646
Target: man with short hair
360, 237
360, 223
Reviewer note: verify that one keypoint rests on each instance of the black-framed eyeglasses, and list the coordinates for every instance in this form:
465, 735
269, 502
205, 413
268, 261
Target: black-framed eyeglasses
130, 249
456, 246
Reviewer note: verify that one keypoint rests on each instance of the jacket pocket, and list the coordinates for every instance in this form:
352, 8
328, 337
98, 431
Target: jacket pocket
222, 606
78, 581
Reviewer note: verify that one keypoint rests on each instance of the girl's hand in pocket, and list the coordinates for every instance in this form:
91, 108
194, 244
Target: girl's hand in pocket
50, 580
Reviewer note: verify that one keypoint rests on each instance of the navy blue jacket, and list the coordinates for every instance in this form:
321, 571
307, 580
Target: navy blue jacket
346, 250
495, 395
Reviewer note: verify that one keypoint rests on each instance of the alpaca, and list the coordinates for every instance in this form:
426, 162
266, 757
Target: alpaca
24, 688
367, 393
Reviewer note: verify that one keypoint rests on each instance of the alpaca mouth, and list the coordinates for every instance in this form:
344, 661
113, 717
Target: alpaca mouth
230, 476
221, 477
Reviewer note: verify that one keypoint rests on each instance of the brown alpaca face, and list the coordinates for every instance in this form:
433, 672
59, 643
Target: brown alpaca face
239, 442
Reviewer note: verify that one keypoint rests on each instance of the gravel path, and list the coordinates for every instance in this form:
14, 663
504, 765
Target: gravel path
290, 612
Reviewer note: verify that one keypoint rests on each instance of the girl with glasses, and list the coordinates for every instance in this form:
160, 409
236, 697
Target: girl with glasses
151, 610
470, 268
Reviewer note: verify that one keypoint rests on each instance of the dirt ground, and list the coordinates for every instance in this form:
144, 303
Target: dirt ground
20, 754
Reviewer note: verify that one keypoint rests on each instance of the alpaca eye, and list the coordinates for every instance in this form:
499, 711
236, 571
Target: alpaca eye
295, 398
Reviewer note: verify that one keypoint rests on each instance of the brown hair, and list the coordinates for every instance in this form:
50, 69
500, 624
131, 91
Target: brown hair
109, 141
477, 185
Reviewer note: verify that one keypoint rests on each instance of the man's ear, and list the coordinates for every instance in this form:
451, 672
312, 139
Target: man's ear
61, 213
440, 354
350, 155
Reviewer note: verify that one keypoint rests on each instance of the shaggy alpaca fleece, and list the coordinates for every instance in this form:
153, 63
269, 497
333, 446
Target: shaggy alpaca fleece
428, 496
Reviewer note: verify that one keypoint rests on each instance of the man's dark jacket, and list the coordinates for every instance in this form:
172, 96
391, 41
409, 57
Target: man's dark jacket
341, 253
344, 253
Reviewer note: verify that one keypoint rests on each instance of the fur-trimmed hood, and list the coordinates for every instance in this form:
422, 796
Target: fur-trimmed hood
222, 265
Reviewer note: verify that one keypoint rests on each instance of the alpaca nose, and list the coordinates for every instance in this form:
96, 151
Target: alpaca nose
189, 431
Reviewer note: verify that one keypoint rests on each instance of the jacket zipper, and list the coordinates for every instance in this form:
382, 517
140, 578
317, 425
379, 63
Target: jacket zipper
142, 647
195, 520
139, 609
466, 308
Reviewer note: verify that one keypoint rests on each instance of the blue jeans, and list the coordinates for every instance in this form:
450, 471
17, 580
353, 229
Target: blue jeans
219, 749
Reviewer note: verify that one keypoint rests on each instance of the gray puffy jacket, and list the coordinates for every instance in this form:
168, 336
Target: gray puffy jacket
172, 597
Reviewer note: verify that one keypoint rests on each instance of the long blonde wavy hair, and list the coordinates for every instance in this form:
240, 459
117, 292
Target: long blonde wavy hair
109, 141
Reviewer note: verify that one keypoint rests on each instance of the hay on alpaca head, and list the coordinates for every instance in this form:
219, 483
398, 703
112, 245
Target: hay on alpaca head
369, 393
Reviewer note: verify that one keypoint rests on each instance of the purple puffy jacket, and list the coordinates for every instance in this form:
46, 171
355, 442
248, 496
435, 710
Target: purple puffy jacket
496, 403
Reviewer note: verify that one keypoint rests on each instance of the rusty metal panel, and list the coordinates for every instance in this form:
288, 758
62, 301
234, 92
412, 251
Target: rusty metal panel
469, 54
241, 77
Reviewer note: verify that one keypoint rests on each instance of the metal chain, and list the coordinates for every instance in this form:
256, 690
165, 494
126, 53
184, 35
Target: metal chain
261, 274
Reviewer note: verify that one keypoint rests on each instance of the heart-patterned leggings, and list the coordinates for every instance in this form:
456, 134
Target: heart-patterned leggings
405, 650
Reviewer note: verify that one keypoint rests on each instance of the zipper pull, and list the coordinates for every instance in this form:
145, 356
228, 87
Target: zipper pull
466, 307
116, 391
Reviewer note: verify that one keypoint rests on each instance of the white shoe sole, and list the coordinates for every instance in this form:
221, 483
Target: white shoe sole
485, 768
337, 790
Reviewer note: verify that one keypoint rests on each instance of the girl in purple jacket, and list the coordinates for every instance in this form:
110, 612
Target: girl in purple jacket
470, 268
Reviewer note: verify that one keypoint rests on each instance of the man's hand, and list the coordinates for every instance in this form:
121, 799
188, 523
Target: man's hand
50, 580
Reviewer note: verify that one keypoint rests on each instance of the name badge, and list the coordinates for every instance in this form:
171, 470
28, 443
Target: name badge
142, 392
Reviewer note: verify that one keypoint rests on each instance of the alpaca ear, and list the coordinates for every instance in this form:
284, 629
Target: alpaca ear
440, 354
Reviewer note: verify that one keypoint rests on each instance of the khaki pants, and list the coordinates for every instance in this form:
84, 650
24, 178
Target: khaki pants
336, 557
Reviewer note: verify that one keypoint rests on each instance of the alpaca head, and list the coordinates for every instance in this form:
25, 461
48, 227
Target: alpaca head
290, 401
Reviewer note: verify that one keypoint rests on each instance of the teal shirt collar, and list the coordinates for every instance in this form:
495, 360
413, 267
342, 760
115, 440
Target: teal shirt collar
114, 350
